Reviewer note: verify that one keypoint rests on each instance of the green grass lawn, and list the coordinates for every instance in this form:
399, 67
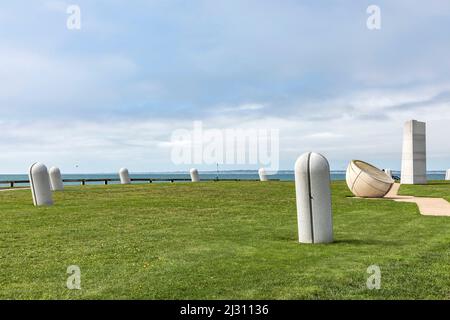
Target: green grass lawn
217, 240
439, 189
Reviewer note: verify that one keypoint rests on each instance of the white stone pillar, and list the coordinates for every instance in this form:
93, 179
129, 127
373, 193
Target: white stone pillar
40, 185
56, 182
447, 174
262, 174
124, 176
414, 158
194, 175
313, 194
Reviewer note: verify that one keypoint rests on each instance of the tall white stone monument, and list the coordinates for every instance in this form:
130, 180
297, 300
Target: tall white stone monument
414, 156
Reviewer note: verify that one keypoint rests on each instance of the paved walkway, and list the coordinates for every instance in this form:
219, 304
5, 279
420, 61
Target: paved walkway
427, 206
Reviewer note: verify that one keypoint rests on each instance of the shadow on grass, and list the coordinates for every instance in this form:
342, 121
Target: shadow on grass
369, 242
363, 242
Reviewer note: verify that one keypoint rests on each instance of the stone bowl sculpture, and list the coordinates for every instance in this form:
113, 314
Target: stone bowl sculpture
365, 180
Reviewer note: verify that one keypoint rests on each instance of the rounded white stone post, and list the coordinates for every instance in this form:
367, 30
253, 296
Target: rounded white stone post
313, 193
262, 174
124, 176
56, 182
447, 174
194, 175
388, 172
40, 185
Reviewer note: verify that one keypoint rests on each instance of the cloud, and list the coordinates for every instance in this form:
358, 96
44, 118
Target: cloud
55, 5
66, 86
133, 74
323, 135
244, 107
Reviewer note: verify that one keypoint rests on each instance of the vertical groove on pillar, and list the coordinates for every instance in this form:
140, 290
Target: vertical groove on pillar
310, 197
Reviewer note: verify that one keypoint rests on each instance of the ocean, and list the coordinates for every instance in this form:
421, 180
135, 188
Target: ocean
283, 175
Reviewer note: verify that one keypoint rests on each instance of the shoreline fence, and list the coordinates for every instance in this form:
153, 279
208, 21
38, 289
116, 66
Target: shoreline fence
23, 183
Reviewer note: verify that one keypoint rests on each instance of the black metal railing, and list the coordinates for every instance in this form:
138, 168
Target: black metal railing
13, 183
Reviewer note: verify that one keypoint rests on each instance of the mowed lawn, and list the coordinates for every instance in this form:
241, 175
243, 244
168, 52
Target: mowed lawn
217, 240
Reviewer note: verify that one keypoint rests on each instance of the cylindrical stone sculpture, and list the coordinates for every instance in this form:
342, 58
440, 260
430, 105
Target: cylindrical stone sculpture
56, 182
124, 176
365, 180
388, 172
194, 175
313, 193
447, 174
40, 185
262, 174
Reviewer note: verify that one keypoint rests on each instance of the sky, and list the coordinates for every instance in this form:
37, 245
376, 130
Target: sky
112, 93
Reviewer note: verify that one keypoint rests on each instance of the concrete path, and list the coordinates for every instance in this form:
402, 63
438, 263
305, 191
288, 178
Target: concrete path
427, 206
